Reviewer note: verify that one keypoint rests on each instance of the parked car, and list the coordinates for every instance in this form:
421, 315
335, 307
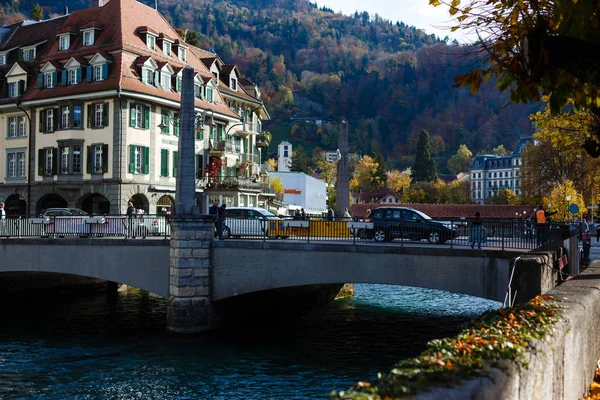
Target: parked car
248, 221
390, 223
64, 221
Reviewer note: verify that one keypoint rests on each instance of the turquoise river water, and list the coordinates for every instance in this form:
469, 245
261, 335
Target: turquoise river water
116, 347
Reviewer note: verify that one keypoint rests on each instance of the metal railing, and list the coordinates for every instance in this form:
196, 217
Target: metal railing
509, 234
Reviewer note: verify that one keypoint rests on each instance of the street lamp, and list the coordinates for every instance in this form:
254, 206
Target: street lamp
199, 119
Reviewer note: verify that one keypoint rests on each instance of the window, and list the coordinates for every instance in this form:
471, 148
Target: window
233, 84
77, 116
28, 54
64, 42
164, 119
99, 155
139, 157
98, 115
98, 73
73, 76
13, 89
167, 48
3, 59
49, 161
15, 160
181, 54
165, 81
16, 126
139, 116
64, 160
150, 41
49, 80
49, 121
76, 166
65, 119
148, 76
88, 38
70, 159
209, 95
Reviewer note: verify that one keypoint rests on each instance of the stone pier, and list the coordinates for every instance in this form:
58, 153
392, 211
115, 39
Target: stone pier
189, 308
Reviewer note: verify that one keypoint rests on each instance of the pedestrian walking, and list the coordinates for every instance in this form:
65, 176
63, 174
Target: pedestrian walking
2, 219
221, 220
330, 214
347, 215
584, 229
367, 217
214, 210
130, 214
302, 213
478, 234
542, 222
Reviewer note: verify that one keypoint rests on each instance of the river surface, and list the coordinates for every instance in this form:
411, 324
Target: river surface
116, 347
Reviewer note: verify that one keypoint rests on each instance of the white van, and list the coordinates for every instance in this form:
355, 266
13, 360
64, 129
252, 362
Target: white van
247, 221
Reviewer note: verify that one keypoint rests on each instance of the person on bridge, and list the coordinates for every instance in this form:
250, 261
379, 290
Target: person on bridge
221, 220
367, 217
330, 214
214, 210
130, 214
2, 219
347, 215
542, 223
478, 233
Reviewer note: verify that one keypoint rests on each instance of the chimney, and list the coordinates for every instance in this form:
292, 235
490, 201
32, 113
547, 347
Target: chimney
66, 10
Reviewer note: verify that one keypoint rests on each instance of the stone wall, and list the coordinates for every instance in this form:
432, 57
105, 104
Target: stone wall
559, 367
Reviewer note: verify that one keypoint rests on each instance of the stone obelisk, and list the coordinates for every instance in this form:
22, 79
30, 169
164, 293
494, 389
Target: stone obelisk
343, 175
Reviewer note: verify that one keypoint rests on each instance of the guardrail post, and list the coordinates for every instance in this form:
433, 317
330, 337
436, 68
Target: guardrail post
503, 234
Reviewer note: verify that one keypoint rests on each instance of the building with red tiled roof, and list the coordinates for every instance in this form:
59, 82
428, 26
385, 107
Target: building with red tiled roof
90, 104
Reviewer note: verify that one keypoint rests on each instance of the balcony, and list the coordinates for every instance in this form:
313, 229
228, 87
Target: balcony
250, 158
264, 139
244, 131
234, 182
221, 147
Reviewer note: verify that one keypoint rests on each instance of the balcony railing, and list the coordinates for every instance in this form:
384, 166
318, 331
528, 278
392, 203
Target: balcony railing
253, 158
223, 146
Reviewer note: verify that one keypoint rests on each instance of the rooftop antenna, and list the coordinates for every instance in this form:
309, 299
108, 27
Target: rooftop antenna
66, 10
156, 5
185, 36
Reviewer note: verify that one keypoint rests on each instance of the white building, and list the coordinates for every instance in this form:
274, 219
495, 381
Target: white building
491, 173
284, 156
303, 191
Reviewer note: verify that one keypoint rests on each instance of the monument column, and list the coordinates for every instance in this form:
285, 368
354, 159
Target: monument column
189, 308
342, 189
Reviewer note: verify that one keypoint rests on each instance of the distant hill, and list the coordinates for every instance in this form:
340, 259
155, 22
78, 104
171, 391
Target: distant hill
389, 80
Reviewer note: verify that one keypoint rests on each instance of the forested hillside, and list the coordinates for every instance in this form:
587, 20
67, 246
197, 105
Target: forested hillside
387, 79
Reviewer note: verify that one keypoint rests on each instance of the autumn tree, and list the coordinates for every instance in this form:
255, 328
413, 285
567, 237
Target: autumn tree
558, 155
499, 151
461, 161
504, 197
37, 13
422, 193
560, 204
534, 47
271, 164
364, 176
424, 169
380, 175
276, 186
398, 181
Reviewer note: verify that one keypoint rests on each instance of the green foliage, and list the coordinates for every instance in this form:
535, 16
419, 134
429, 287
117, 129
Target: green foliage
424, 169
380, 176
499, 151
300, 161
37, 13
461, 161
422, 193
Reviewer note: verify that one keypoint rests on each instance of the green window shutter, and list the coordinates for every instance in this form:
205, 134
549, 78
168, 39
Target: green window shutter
105, 158
132, 115
88, 162
90, 112
104, 71
40, 81
219, 132
41, 122
41, 162
212, 133
176, 125
179, 85
201, 134
132, 158
54, 78
146, 160
164, 119
54, 161
146, 117
63, 77
175, 158
55, 119
78, 75
164, 162
105, 118
88, 73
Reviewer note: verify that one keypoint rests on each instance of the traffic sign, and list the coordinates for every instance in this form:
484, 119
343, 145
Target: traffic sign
574, 208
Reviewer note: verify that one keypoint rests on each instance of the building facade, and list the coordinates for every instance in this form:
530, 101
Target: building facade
490, 173
89, 107
303, 191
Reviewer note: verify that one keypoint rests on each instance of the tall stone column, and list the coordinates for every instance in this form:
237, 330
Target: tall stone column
343, 179
189, 308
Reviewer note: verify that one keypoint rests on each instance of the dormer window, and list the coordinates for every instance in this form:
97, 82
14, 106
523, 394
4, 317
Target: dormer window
182, 54
64, 42
49, 80
151, 42
97, 70
167, 48
209, 95
233, 84
165, 81
2, 59
88, 38
148, 77
28, 54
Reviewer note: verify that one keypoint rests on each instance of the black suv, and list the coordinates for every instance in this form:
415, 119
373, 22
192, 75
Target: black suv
402, 222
